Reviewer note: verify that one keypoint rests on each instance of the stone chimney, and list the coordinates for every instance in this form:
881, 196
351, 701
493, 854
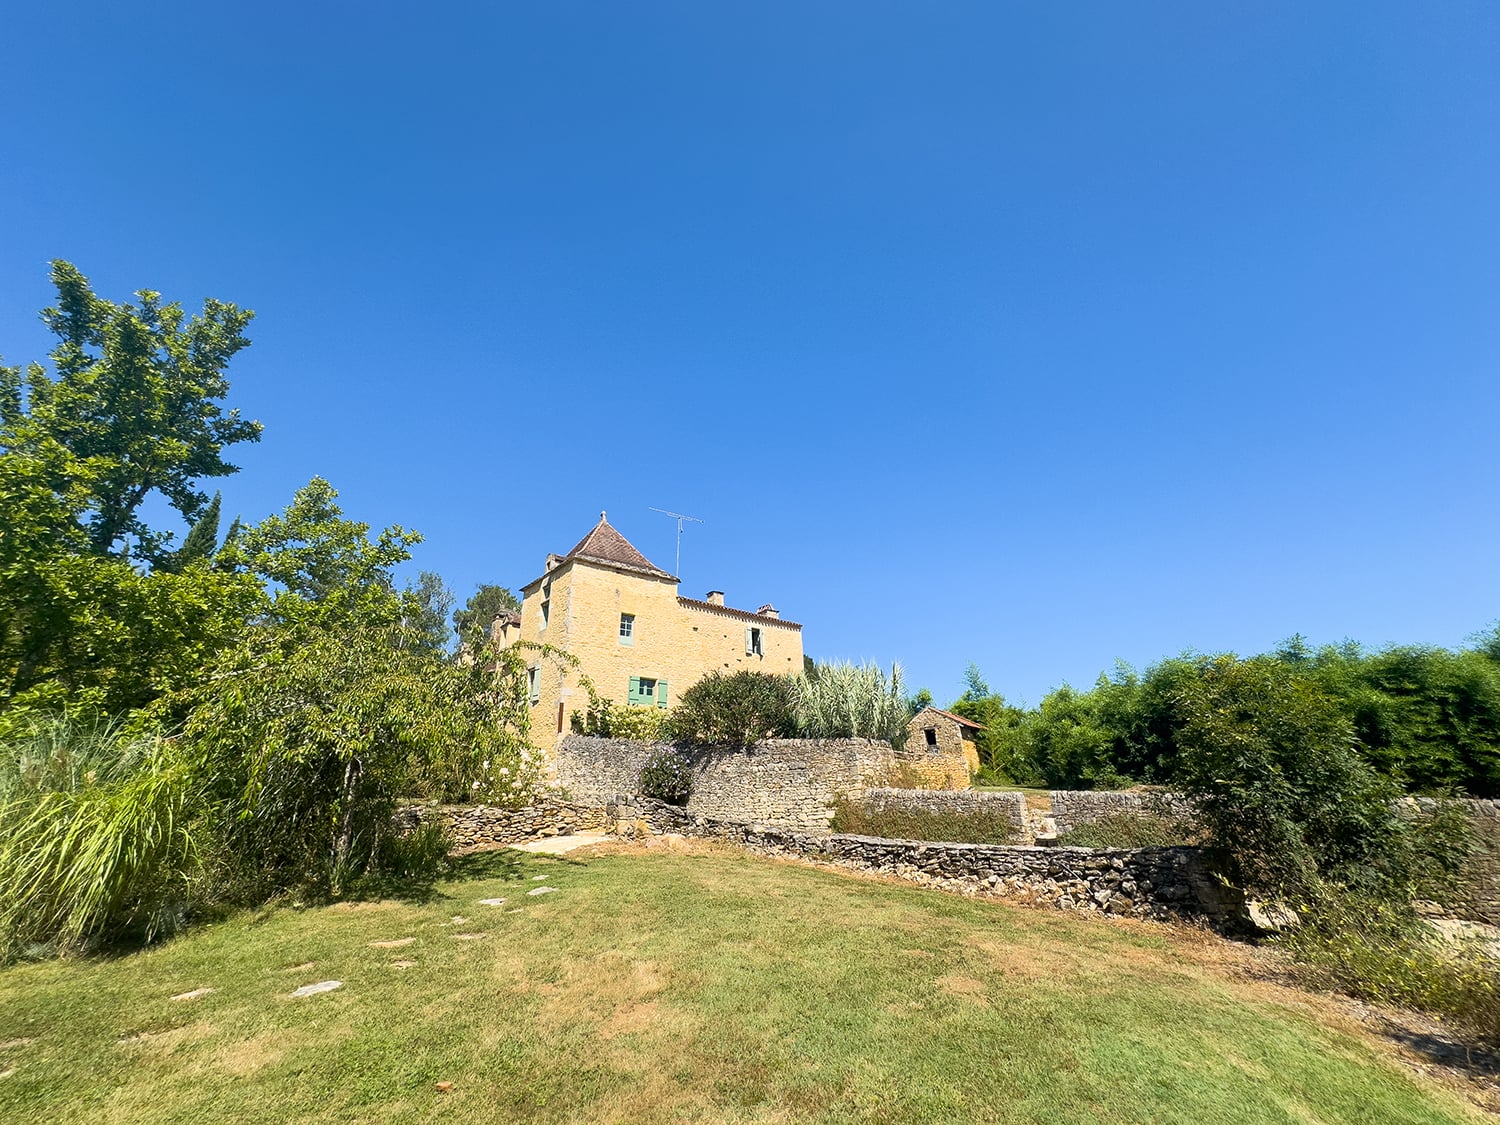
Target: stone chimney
715, 597
769, 610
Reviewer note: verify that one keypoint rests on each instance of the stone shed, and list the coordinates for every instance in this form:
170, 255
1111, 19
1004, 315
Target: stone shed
940, 748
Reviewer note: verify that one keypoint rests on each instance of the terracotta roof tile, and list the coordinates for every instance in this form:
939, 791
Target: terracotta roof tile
959, 719
605, 544
743, 614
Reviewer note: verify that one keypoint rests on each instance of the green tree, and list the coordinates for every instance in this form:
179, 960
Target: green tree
320, 565
472, 622
133, 402
427, 604
1271, 766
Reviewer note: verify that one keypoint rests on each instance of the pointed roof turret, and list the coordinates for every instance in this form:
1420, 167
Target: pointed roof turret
606, 545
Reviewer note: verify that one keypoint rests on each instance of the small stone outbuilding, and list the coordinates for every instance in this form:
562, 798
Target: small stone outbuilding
940, 747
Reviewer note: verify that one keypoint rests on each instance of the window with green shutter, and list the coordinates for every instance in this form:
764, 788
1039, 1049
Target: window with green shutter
634, 698
661, 693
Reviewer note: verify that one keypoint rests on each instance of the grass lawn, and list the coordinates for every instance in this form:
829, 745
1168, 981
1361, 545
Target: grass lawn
687, 984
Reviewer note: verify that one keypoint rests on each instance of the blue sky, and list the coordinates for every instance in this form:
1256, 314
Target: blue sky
1031, 335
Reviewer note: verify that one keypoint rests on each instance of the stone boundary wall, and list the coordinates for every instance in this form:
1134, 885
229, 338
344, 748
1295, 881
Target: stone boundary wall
1476, 895
477, 825
956, 801
1072, 808
1159, 883
789, 783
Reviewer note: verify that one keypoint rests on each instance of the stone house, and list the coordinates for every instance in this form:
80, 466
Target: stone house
940, 746
639, 642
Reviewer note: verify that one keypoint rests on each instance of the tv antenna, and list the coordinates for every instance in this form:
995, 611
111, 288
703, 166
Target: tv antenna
681, 519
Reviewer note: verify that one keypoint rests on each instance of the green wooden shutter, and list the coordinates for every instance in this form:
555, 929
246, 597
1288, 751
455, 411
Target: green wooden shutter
634, 697
748, 649
661, 693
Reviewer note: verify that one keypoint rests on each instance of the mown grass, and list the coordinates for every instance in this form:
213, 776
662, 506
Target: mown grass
678, 985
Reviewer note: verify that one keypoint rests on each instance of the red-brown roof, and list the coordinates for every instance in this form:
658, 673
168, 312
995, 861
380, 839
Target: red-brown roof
605, 544
743, 614
959, 719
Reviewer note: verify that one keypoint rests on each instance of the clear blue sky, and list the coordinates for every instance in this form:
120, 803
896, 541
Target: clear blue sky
1036, 335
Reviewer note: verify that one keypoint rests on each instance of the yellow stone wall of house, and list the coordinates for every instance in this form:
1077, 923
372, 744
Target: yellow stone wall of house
672, 642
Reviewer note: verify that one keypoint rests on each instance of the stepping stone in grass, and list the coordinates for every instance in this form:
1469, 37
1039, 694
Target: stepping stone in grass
537, 878
12, 1043
302, 968
492, 902
469, 937
394, 943
320, 986
402, 964
4, 1074
458, 921
193, 995
542, 891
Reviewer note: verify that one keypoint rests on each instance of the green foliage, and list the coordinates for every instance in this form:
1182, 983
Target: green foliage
850, 701
667, 776
310, 735
1271, 766
425, 607
322, 567
918, 702
606, 719
95, 837
472, 622
737, 709
131, 410
1378, 951
978, 826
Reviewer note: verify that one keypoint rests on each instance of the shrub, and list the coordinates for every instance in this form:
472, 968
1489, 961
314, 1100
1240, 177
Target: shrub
979, 826
1378, 951
1270, 765
850, 701
737, 709
607, 719
667, 776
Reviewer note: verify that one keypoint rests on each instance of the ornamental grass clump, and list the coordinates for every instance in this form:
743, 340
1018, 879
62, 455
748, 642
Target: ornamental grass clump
95, 837
847, 700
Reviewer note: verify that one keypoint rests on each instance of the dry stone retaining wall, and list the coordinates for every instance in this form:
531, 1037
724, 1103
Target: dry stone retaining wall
955, 801
477, 825
1073, 808
1476, 895
790, 783
1142, 883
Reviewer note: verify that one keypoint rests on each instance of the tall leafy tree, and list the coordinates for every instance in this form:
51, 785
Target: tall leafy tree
428, 602
472, 621
131, 407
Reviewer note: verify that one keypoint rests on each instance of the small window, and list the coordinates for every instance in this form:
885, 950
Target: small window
546, 606
648, 689
931, 736
534, 682
753, 645
627, 628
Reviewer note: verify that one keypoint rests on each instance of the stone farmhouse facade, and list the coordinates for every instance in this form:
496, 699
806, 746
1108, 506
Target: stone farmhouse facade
636, 638
940, 747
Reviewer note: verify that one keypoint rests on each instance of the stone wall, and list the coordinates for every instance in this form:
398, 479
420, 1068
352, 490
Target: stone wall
790, 783
1156, 883
478, 825
1072, 808
949, 761
1010, 805
1477, 893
